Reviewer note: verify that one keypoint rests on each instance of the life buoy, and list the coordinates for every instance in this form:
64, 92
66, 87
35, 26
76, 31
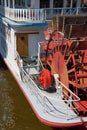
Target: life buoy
46, 78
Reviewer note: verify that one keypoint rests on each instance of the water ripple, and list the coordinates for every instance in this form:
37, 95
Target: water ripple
6, 105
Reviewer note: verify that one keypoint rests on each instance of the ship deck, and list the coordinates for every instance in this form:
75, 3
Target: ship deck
50, 108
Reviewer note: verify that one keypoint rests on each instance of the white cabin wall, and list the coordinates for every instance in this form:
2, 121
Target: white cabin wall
6, 40
78, 3
33, 43
34, 4
51, 3
11, 46
3, 45
64, 3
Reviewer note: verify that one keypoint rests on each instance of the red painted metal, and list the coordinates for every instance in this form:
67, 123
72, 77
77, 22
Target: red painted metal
67, 53
46, 78
82, 106
68, 58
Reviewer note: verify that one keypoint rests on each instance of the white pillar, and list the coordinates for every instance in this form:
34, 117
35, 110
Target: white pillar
8, 3
25, 3
37, 4
71, 3
78, 3
13, 4
5, 3
51, 3
34, 4
64, 3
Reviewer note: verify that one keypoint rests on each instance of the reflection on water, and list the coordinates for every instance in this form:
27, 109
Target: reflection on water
6, 103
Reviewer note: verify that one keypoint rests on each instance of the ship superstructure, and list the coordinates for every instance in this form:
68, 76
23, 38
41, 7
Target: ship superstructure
51, 73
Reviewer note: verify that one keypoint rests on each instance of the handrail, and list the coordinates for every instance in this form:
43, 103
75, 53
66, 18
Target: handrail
21, 15
70, 95
61, 110
18, 59
39, 60
39, 15
26, 78
61, 87
40, 96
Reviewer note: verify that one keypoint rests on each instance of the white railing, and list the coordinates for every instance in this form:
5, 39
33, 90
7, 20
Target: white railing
66, 92
51, 12
62, 90
39, 60
23, 15
45, 101
39, 15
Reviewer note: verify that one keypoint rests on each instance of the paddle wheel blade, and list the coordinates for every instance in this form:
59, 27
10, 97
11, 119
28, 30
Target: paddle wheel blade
66, 55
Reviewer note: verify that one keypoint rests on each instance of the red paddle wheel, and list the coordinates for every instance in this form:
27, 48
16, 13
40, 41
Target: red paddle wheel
68, 58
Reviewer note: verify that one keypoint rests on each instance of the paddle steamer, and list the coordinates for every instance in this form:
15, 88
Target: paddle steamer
44, 45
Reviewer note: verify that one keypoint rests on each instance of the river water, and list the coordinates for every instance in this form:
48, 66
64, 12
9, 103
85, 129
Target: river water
15, 112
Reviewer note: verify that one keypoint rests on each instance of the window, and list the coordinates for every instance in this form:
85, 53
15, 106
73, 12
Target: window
23, 3
57, 3
7, 3
29, 3
74, 3
68, 3
44, 3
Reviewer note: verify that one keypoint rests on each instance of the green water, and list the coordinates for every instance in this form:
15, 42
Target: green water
15, 112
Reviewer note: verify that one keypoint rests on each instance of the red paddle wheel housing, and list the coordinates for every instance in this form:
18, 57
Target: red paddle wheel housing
68, 58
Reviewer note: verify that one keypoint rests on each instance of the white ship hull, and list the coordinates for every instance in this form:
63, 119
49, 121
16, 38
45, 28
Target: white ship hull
49, 108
